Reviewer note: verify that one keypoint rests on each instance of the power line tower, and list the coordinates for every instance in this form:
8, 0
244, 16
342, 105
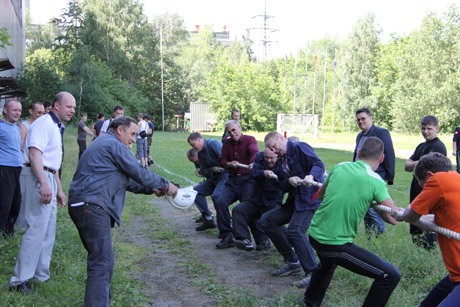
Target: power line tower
265, 40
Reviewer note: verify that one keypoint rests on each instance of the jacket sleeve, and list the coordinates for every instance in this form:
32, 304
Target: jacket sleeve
389, 162
224, 159
258, 167
355, 153
143, 176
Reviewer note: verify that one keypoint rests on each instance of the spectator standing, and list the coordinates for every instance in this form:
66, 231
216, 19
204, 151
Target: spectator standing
456, 146
95, 208
48, 105
10, 167
429, 130
98, 124
386, 169
82, 131
148, 119
235, 115
43, 193
35, 111
141, 150
117, 112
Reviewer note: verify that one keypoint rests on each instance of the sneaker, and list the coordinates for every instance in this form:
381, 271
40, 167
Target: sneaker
264, 245
304, 283
23, 288
208, 224
245, 245
200, 220
226, 242
288, 269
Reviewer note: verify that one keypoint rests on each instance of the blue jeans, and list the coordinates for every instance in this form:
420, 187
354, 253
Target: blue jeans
299, 221
358, 260
206, 188
94, 225
373, 222
440, 292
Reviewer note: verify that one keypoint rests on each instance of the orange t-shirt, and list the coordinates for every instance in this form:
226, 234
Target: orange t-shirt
441, 194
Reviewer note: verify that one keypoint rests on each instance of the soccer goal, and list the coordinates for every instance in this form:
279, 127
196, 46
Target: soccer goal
298, 123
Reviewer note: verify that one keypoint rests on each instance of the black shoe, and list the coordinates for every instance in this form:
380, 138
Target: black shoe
200, 220
23, 288
264, 245
208, 224
245, 245
288, 269
226, 242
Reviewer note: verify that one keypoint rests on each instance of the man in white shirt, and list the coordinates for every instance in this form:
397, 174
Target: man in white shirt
44, 192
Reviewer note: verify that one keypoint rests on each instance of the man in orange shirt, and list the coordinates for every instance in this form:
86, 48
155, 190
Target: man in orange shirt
441, 189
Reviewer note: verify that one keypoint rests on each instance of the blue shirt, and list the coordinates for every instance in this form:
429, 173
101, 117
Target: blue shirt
106, 170
10, 145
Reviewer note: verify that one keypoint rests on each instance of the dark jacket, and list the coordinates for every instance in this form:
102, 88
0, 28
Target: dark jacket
106, 170
301, 160
386, 169
208, 158
265, 192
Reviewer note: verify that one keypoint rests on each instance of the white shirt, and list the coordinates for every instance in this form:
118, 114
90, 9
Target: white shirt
105, 125
44, 135
143, 127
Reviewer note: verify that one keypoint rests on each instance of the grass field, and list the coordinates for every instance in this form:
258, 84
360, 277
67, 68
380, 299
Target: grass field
420, 269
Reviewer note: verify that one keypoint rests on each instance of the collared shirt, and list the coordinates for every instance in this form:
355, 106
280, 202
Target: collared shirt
209, 157
106, 170
10, 145
244, 151
45, 135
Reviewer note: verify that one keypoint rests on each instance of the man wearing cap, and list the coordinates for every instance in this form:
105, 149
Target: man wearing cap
238, 149
42, 160
208, 159
106, 170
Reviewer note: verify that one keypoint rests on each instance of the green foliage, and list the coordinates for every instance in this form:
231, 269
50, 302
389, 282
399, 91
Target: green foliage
4, 38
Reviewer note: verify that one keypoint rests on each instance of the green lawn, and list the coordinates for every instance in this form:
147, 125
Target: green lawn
420, 269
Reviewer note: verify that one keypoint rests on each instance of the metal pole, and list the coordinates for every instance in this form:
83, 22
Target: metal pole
162, 85
306, 78
295, 83
314, 83
324, 93
333, 91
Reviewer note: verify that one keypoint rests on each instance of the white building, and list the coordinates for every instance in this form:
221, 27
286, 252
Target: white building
12, 18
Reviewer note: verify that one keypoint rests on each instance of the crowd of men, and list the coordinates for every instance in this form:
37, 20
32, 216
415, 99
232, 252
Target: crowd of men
234, 171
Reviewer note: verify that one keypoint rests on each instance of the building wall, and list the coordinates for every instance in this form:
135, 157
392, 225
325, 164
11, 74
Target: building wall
12, 17
201, 117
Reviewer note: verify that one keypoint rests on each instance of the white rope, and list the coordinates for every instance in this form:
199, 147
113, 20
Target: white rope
273, 176
421, 223
243, 166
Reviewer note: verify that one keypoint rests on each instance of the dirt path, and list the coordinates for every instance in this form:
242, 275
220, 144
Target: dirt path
166, 283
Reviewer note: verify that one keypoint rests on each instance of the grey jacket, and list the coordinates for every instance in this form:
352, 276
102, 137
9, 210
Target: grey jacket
106, 170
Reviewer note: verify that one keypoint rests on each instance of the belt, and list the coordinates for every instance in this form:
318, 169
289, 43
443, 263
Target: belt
52, 171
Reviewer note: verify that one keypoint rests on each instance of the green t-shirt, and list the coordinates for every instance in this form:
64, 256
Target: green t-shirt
351, 189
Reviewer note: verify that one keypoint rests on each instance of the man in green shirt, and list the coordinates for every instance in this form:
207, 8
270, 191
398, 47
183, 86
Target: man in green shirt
347, 193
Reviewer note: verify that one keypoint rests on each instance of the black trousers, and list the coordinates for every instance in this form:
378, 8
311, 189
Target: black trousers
82, 147
10, 198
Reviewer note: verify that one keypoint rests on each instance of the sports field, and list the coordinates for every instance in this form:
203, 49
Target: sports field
160, 260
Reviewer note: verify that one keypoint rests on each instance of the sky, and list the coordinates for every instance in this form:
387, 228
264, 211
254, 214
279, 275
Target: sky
295, 22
